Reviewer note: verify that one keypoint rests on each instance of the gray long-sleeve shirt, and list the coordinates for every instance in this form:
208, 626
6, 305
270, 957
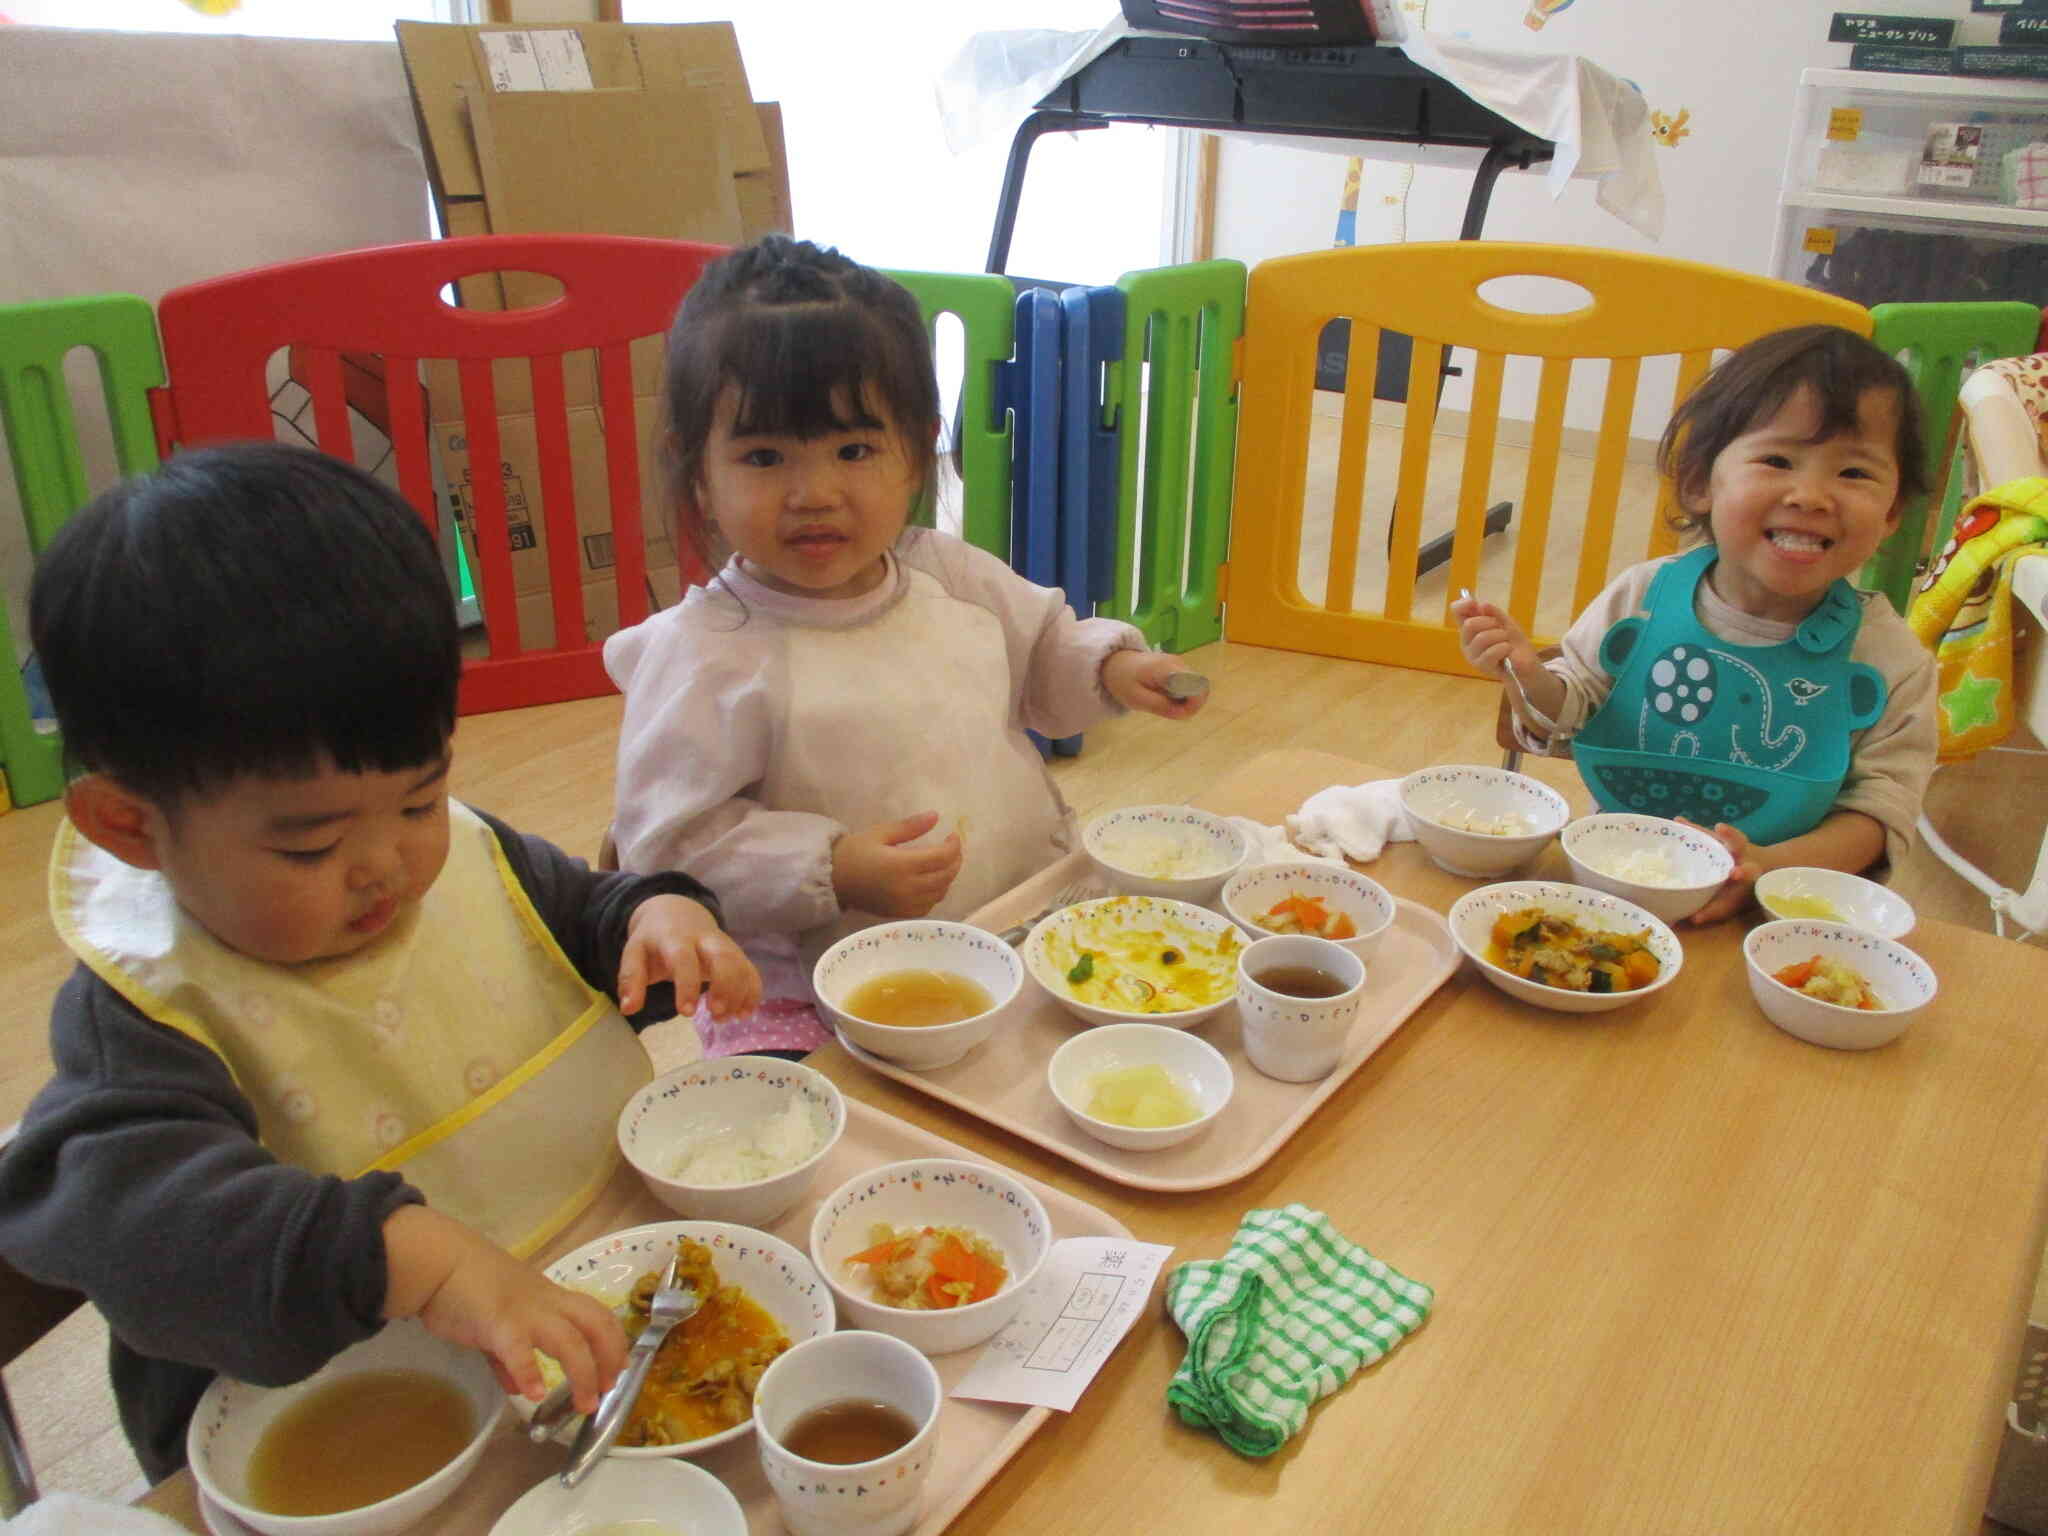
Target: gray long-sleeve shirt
137, 1179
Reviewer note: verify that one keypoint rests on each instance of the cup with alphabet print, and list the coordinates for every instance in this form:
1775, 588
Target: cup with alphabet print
848, 1425
1296, 998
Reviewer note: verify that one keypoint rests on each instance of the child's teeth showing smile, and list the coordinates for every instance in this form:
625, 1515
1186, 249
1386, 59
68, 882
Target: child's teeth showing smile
1791, 542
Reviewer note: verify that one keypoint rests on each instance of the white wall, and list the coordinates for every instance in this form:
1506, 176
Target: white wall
869, 171
1734, 66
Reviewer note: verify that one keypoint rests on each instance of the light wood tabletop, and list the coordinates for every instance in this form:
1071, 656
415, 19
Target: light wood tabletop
1692, 1274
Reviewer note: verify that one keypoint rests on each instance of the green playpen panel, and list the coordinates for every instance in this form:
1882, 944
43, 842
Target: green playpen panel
1938, 343
49, 468
1181, 328
985, 306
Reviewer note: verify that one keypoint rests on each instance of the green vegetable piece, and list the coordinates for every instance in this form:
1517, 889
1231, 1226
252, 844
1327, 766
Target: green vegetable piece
1602, 952
1083, 967
1530, 934
1601, 981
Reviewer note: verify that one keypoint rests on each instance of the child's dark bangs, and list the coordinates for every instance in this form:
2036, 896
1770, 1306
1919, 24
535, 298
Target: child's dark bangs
804, 371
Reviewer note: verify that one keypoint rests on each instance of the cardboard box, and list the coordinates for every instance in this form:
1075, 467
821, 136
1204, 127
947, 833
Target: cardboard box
594, 127
520, 473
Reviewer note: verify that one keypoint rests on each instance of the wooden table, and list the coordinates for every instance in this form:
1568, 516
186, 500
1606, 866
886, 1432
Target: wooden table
1692, 1274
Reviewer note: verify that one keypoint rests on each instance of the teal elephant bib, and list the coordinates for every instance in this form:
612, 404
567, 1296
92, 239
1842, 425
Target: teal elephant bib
1756, 736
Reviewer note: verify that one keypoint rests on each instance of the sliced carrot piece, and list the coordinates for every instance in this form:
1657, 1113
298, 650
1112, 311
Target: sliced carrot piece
1796, 975
881, 1253
988, 1278
953, 1261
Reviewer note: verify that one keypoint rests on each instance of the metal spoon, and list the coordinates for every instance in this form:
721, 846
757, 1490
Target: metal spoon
670, 1305
547, 1416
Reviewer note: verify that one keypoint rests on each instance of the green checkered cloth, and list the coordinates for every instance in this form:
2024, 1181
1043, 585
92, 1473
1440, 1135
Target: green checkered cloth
1281, 1320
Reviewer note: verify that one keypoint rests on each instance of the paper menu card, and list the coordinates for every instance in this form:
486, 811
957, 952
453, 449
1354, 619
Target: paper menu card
1083, 1301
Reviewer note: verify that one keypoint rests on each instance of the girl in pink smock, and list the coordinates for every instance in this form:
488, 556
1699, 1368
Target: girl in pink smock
832, 732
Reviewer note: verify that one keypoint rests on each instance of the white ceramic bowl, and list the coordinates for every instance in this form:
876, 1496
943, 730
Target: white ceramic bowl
232, 1417
723, 1099
919, 944
668, 1495
1250, 893
1194, 1063
1141, 913
1901, 979
1699, 863
1132, 847
931, 1192
1472, 915
1438, 799
779, 1279
1860, 903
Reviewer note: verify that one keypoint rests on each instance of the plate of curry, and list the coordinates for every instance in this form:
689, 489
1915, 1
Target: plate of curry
760, 1297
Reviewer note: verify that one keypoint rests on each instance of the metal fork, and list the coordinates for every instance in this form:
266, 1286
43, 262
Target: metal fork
1073, 892
671, 1304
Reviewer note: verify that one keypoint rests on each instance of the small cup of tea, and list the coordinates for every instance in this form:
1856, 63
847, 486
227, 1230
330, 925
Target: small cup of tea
848, 1428
1296, 997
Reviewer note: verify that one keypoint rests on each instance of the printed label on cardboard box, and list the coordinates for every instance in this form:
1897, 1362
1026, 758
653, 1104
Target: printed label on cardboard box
1845, 123
589, 484
551, 59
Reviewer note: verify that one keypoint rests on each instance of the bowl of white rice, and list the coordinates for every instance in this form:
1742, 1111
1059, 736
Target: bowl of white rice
737, 1138
1173, 851
1663, 866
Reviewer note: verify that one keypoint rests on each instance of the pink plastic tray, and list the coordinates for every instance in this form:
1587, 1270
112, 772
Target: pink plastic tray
1004, 1083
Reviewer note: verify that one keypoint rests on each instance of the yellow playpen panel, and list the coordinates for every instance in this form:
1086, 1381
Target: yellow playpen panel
1638, 308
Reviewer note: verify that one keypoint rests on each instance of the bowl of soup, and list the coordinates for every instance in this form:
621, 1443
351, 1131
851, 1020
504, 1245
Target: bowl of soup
368, 1444
920, 993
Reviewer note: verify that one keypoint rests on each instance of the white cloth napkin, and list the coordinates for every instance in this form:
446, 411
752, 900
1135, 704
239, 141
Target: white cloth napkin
71, 1514
1270, 845
1598, 121
1356, 820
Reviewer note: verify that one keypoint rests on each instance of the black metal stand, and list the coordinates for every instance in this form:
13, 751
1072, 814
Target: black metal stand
1365, 93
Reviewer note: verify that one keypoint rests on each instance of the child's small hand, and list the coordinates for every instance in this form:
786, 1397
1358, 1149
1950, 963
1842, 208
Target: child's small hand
872, 872
1136, 680
469, 1291
1734, 893
672, 938
1491, 640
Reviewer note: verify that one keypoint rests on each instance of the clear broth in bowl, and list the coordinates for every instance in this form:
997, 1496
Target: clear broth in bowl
917, 999
358, 1441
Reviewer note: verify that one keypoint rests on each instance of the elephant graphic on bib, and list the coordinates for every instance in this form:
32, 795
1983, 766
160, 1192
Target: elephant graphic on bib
1755, 736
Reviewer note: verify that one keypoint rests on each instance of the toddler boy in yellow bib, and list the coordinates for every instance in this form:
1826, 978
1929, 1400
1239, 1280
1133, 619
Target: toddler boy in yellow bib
338, 1048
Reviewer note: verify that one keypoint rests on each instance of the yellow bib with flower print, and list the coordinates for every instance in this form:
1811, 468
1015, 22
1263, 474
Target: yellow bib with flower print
461, 1049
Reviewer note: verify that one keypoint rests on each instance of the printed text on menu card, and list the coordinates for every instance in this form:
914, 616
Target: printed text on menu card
1085, 1299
